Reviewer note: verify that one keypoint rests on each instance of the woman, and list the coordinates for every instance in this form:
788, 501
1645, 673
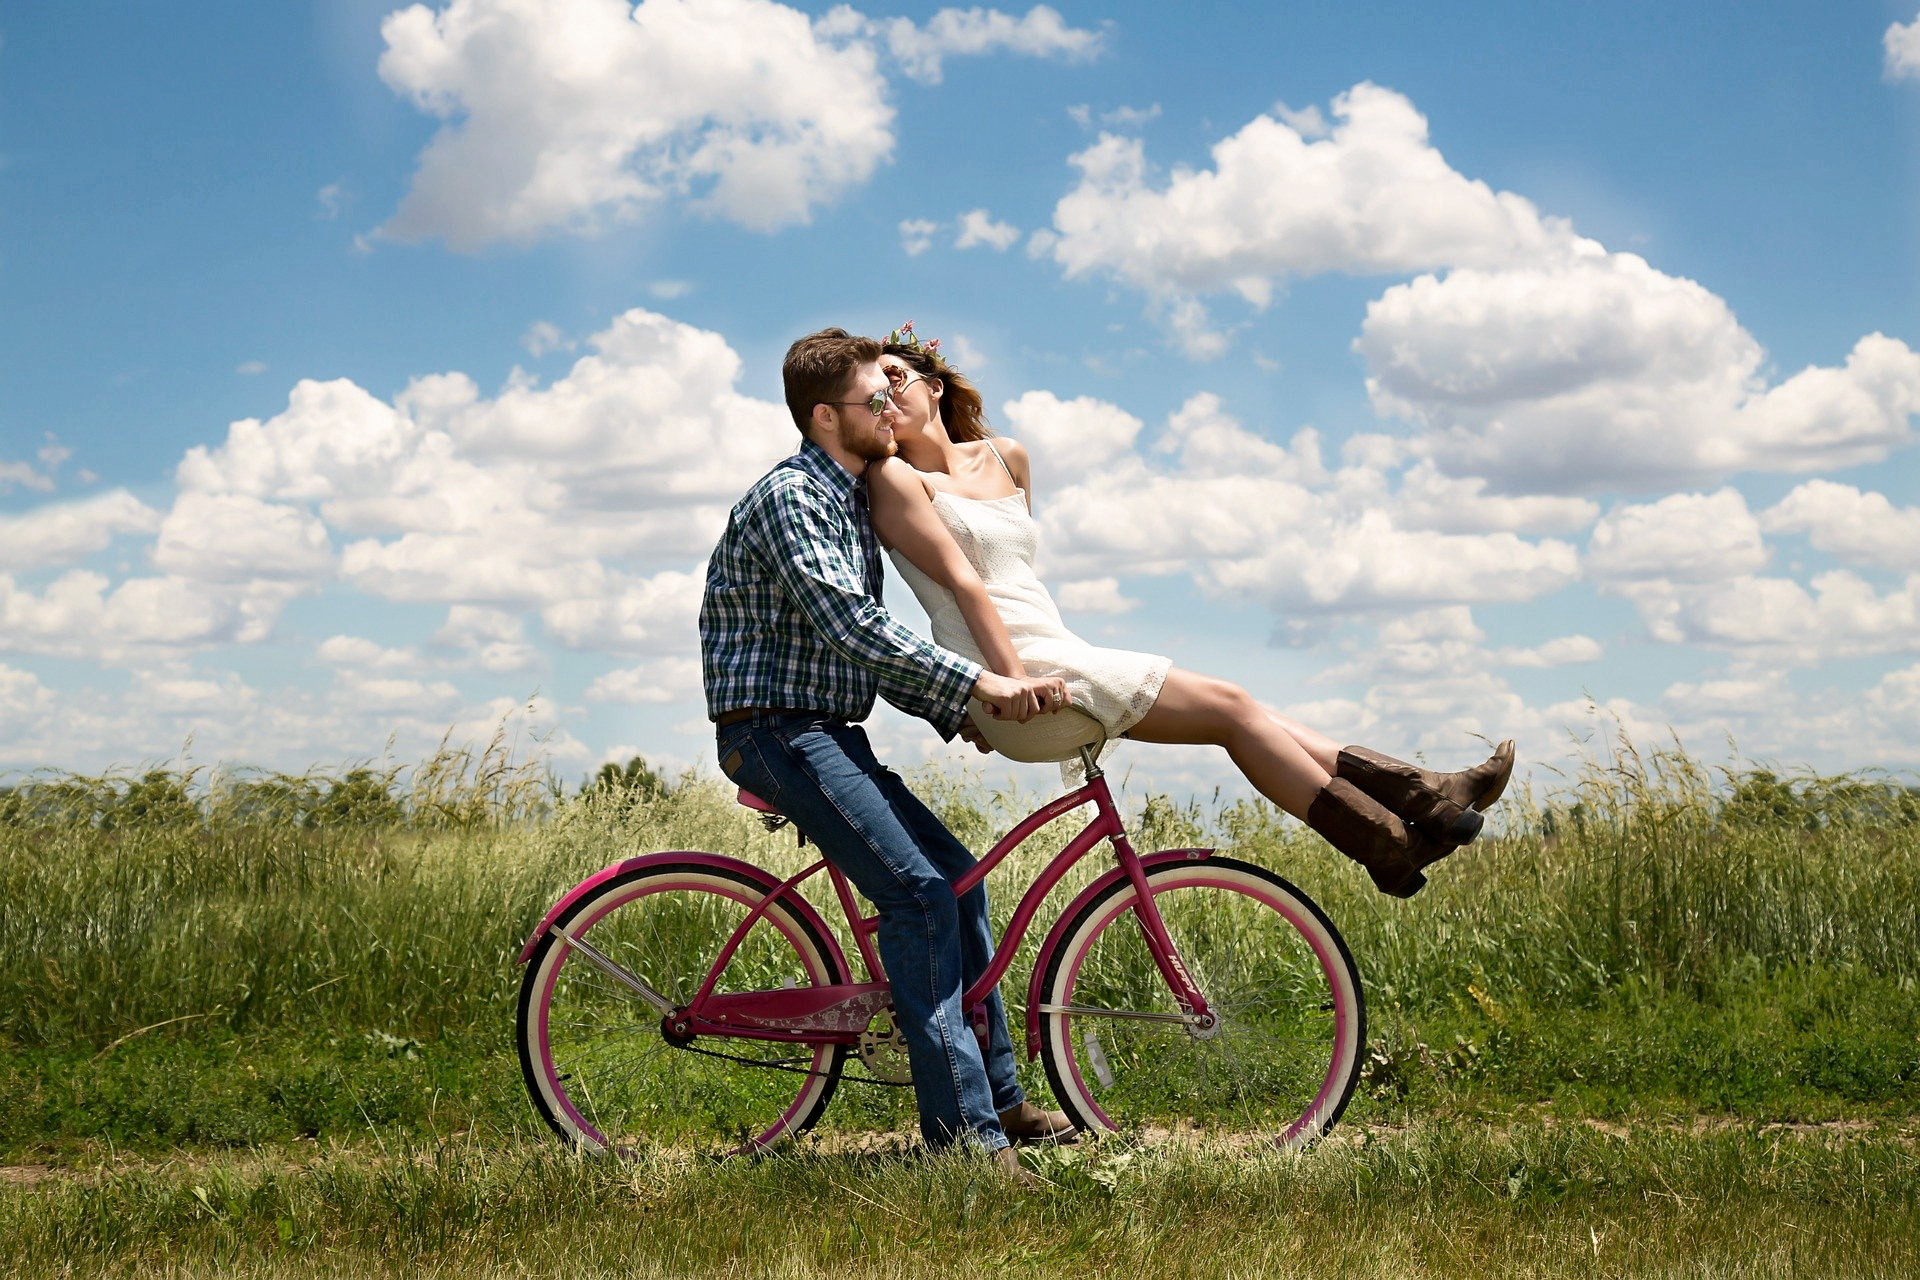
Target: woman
953, 509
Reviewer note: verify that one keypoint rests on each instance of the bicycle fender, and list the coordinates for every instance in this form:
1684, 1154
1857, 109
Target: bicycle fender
717, 861
1053, 939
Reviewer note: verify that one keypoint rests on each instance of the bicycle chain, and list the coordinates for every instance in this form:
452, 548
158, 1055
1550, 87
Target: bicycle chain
798, 1071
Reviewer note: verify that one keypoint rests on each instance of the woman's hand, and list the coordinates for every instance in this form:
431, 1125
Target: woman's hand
1020, 700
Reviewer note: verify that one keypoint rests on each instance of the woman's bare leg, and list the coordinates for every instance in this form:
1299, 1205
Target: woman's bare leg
1195, 709
1324, 750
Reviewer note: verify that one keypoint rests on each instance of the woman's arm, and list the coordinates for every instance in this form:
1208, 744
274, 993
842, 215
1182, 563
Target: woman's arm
904, 517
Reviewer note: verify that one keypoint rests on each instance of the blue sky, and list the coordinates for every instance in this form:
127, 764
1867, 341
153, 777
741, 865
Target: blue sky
369, 371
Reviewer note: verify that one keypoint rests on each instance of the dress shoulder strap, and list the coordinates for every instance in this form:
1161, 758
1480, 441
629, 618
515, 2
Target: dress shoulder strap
1003, 462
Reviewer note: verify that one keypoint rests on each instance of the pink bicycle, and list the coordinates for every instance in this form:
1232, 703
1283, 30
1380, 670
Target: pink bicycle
692, 997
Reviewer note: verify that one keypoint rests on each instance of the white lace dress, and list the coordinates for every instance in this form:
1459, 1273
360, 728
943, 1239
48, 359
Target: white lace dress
1115, 686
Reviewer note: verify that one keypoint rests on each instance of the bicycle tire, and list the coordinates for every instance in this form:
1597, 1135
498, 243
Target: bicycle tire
1287, 1051
595, 1057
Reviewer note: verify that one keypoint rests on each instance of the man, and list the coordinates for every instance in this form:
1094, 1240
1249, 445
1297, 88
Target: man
794, 645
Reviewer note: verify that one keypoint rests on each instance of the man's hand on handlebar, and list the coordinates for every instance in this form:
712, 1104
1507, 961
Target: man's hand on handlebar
1020, 700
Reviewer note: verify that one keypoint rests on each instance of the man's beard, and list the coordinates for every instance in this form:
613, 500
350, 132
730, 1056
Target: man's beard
867, 444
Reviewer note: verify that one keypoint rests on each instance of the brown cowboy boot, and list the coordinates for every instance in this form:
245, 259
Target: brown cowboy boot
1028, 1123
1444, 807
1363, 829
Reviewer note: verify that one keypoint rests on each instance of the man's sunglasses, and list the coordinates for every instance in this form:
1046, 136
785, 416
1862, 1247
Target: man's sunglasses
873, 404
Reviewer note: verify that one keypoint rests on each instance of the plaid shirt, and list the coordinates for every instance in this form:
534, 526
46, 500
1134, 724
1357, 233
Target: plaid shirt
792, 616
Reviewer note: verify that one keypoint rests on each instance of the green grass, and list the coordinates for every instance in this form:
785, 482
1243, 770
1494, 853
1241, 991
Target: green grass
1433, 1201
310, 1020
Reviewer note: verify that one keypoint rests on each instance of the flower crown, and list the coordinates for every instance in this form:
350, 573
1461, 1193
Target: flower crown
904, 336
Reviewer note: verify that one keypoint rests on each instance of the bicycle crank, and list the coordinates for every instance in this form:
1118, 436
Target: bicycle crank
883, 1050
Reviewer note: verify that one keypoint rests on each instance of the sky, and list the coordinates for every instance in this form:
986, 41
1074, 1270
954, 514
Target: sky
372, 374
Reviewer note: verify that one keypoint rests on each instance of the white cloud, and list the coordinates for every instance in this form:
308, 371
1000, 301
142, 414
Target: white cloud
668, 290
334, 438
1428, 499
1095, 595
585, 500
570, 114
651, 415
1862, 528
21, 695
493, 639
1365, 562
60, 533
472, 567
24, 475
916, 235
543, 336
1839, 615
1598, 371
388, 695
1902, 44
1130, 117
631, 616
1067, 437
634, 454
181, 692
1122, 117
662, 681
1245, 516
920, 51
1445, 647
250, 368
234, 537
1529, 357
360, 652
961, 351
977, 227
1561, 651
1372, 196
168, 703
1209, 441
332, 199
82, 614
1686, 537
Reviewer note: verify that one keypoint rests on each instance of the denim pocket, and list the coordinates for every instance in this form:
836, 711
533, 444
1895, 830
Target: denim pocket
741, 761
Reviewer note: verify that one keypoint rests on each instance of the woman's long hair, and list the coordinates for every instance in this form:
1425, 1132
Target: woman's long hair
962, 411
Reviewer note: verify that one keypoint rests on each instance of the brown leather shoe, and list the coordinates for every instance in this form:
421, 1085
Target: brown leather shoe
1028, 1123
1368, 832
1007, 1160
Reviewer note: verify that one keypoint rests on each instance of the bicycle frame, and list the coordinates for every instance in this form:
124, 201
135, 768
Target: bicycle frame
839, 1013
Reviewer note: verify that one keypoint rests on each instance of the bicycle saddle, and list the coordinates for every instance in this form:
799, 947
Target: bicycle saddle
1054, 736
754, 802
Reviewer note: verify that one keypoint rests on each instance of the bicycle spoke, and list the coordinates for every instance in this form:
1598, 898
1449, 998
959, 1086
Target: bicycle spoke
600, 1050
1277, 1038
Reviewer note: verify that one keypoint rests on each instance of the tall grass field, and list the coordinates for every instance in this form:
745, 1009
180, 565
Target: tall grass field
1664, 1023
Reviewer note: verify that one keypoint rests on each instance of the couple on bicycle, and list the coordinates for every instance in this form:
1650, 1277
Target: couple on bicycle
796, 643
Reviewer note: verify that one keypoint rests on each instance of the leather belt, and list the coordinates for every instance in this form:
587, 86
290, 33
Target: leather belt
735, 716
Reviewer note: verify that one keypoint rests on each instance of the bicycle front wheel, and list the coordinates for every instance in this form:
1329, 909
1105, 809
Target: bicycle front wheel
597, 1059
1284, 1053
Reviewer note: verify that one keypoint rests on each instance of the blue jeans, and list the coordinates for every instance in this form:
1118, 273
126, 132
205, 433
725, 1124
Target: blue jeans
821, 773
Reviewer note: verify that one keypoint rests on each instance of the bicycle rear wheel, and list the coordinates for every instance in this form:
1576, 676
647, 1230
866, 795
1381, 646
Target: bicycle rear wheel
595, 1056
1286, 1051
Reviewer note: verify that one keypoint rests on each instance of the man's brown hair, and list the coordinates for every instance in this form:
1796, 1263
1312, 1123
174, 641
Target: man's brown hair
818, 369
